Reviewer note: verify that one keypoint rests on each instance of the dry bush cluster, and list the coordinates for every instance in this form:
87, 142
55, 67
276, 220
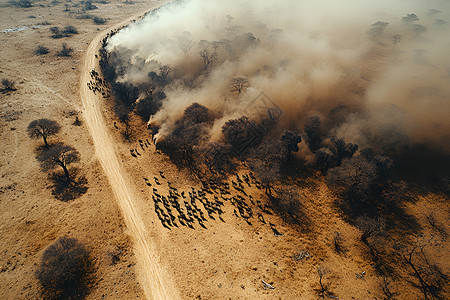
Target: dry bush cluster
66, 270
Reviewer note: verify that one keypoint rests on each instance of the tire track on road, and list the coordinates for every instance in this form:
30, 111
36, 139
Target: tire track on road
155, 283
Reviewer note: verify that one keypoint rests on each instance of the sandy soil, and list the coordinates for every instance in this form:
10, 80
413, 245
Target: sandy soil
31, 218
155, 284
228, 259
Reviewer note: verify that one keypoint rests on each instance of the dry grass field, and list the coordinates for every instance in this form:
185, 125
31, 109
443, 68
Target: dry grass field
228, 257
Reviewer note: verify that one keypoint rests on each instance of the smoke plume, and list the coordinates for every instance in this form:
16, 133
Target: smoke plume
376, 72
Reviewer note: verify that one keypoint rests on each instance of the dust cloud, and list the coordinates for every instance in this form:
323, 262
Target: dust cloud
376, 72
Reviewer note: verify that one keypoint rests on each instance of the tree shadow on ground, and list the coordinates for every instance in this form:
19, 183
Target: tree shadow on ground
42, 148
64, 190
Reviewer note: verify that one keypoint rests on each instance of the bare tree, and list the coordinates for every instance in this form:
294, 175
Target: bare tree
69, 30
229, 19
239, 85
208, 56
43, 128
59, 155
322, 271
186, 41
431, 279
65, 270
21, 3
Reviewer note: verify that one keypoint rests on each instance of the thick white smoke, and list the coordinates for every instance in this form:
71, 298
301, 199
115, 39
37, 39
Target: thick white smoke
373, 71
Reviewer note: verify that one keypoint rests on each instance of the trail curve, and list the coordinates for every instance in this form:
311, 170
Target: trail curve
155, 283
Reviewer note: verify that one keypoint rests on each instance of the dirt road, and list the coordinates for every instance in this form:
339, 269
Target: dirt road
155, 283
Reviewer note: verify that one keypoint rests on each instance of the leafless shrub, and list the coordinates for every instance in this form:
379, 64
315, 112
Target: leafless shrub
438, 228
56, 32
239, 85
323, 290
21, 3
196, 114
241, 133
84, 16
69, 30
208, 53
8, 85
338, 243
181, 142
65, 51
41, 50
45, 23
99, 20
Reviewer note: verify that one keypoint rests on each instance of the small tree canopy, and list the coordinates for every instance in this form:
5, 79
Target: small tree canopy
266, 161
290, 140
356, 176
43, 128
196, 113
65, 269
239, 85
241, 133
58, 155
216, 156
